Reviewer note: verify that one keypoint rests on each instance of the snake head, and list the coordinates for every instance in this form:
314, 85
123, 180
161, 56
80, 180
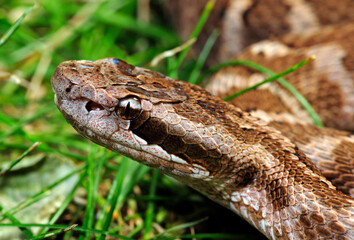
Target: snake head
135, 111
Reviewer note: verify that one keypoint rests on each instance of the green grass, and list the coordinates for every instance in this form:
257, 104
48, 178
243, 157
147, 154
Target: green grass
148, 204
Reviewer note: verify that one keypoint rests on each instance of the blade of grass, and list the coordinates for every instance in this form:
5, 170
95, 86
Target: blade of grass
225, 64
302, 100
53, 41
270, 79
112, 198
57, 226
95, 164
90, 193
179, 227
198, 28
14, 27
151, 205
136, 230
36, 197
43, 147
65, 203
218, 236
20, 123
67, 140
17, 160
171, 52
6, 119
34, 90
171, 61
124, 21
135, 173
53, 233
203, 56
14, 220
132, 175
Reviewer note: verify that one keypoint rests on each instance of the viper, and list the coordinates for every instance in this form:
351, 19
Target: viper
230, 155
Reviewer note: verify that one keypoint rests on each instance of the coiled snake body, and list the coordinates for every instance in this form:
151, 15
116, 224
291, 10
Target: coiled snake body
227, 154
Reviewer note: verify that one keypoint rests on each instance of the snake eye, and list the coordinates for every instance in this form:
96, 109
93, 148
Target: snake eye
129, 108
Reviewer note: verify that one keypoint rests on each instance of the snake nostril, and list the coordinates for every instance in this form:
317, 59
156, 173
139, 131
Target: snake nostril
68, 89
92, 106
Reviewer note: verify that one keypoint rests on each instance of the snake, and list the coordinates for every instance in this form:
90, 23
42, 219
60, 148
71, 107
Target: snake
233, 157
258, 155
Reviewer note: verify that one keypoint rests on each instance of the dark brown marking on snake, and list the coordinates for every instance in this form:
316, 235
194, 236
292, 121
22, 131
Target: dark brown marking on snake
140, 120
336, 171
174, 144
124, 67
196, 151
154, 131
139, 90
323, 232
257, 17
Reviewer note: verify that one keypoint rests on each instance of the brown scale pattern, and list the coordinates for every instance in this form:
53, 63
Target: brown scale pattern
330, 11
253, 169
318, 81
335, 161
244, 22
257, 17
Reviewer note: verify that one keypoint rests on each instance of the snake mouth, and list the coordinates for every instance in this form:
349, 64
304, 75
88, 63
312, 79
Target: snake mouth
116, 136
138, 149
152, 156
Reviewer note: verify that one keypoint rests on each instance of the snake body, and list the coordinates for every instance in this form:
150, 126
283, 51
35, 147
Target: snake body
227, 154
327, 83
244, 22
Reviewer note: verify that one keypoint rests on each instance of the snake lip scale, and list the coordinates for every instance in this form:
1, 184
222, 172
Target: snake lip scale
214, 147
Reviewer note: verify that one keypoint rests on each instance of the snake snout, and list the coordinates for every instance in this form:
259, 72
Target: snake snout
60, 84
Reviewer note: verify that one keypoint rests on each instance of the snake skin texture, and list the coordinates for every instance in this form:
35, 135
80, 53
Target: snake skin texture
327, 83
216, 148
244, 22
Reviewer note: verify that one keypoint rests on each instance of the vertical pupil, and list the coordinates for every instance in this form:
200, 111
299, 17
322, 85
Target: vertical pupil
127, 109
